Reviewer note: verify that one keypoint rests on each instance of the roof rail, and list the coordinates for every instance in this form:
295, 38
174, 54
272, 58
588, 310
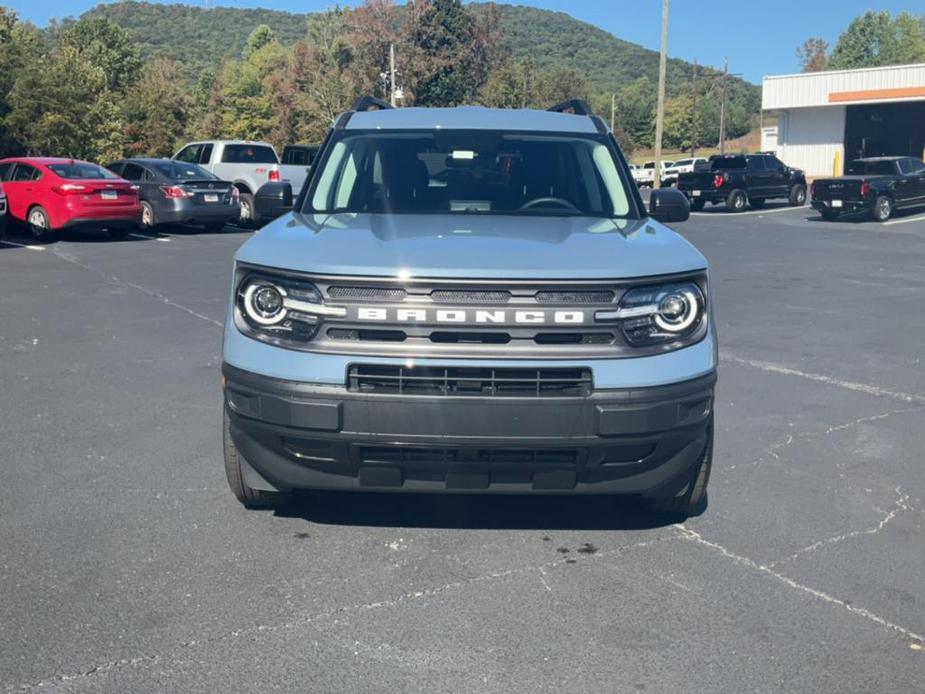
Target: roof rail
577, 107
370, 103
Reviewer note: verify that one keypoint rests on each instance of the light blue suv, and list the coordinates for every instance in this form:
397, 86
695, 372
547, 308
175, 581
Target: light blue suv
471, 300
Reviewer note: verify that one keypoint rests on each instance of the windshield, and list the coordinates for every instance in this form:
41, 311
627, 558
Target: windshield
80, 170
875, 168
179, 170
469, 172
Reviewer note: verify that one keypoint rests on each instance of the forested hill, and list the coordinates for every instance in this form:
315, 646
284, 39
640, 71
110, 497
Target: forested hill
199, 38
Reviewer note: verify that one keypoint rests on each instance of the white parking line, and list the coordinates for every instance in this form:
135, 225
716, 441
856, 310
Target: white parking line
20, 245
164, 239
733, 215
919, 218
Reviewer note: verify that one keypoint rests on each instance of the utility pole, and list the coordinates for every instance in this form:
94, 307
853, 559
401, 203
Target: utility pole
660, 108
722, 110
392, 74
613, 110
694, 111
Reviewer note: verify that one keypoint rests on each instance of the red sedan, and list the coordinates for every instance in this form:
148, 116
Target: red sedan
49, 194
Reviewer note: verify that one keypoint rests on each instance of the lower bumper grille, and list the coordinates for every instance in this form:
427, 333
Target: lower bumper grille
495, 456
468, 381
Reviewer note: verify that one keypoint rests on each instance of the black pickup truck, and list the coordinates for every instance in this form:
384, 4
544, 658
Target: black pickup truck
876, 186
742, 179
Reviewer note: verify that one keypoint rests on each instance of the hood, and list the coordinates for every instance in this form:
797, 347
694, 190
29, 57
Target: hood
471, 246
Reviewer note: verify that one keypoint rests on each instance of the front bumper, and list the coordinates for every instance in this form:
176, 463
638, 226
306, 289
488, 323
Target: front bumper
297, 435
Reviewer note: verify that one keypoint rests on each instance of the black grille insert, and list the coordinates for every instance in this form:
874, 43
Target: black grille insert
470, 381
574, 297
403, 455
470, 296
367, 293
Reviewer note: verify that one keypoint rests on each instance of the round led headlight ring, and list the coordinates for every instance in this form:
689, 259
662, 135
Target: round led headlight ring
264, 303
678, 311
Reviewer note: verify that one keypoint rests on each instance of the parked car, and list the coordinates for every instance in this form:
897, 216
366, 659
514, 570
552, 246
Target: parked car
299, 155
739, 180
877, 186
471, 300
248, 165
175, 192
48, 194
645, 174
682, 166
3, 213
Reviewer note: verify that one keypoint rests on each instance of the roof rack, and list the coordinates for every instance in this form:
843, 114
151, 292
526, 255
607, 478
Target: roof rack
576, 107
370, 103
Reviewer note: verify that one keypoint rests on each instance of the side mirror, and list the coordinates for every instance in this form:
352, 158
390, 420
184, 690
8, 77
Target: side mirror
272, 200
669, 205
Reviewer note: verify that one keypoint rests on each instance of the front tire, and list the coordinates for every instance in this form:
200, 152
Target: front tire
797, 195
694, 499
736, 201
148, 218
39, 225
248, 496
883, 208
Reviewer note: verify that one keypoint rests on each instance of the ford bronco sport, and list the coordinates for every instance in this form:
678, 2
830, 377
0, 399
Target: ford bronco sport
471, 300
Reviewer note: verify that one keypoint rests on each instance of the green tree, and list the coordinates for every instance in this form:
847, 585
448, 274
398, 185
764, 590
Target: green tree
259, 37
813, 55
636, 111
106, 46
679, 122
564, 85
876, 39
511, 85
158, 108
439, 37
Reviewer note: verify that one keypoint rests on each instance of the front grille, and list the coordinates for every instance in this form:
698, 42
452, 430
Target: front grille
367, 293
405, 455
466, 296
576, 297
469, 381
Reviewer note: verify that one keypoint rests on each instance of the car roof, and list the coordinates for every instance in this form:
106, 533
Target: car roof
46, 160
890, 158
471, 118
259, 143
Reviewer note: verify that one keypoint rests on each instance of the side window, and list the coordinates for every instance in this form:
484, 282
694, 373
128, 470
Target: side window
6, 170
132, 172
116, 168
756, 164
24, 172
918, 166
205, 155
148, 175
189, 154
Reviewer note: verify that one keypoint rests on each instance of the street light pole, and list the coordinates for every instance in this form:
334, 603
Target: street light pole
722, 110
613, 110
694, 111
392, 74
660, 108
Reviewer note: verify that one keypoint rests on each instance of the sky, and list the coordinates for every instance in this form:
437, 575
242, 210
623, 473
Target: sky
758, 38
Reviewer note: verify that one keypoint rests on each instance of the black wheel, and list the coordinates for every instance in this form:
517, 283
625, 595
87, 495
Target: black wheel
798, 195
829, 215
250, 498
756, 203
247, 209
119, 233
695, 497
736, 201
38, 224
148, 218
697, 205
882, 209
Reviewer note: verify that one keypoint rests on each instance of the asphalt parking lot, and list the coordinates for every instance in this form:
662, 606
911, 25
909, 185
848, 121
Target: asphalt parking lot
127, 566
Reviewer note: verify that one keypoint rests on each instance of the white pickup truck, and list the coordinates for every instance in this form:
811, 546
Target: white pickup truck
245, 163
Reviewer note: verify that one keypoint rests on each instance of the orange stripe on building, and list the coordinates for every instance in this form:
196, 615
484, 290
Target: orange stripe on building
872, 94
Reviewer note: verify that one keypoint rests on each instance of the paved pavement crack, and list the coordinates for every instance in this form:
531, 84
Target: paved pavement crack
67, 257
402, 598
821, 378
901, 505
742, 560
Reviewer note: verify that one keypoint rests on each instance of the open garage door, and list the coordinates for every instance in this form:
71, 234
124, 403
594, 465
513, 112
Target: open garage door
885, 130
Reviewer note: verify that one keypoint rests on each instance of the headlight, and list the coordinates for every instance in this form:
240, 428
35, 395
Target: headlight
670, 314
280, 310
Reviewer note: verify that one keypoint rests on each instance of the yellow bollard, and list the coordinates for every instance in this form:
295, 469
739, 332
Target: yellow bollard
836, 166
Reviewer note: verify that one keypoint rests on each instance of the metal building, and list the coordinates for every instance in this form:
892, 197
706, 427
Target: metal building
828, 118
